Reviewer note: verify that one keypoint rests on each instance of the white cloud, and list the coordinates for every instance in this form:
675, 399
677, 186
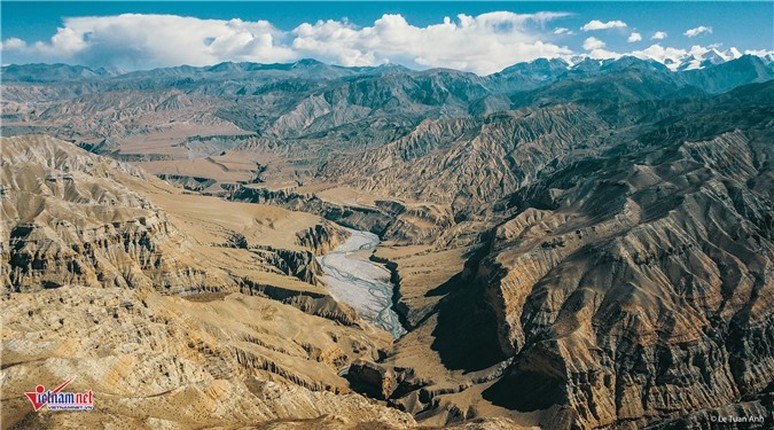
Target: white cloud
596, 49
693, 32
142, 41
600, 54
593, 43
665, 55
659, 35
12, 43
483, 44
596, 24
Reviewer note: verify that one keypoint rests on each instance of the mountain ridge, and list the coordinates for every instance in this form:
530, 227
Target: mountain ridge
309, 66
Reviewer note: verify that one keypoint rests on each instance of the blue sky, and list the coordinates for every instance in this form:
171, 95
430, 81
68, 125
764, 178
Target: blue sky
478, 36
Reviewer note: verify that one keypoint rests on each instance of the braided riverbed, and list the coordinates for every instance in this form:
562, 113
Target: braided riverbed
361, 283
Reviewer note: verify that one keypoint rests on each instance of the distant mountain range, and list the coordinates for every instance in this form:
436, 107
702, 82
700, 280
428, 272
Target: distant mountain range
545, 68
309, 99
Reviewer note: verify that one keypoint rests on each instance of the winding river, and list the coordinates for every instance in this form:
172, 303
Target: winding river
361, 283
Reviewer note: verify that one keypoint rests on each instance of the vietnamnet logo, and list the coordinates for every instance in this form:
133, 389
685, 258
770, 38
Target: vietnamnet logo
58, 400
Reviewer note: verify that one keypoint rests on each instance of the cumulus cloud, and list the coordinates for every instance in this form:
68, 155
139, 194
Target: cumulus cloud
604, 54
593, 43
140, 41
483, 44
596, 24
693, 32
596, 49
634, 37
12, 43
664, 55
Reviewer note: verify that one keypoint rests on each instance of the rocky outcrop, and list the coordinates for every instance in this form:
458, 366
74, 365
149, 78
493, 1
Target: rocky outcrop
69, 222
370, 378
72, 218
390, 220
299, 264
191, 183
468, 164
321, 238
629, 287
325, 307
61, 232
750, 414
161, 360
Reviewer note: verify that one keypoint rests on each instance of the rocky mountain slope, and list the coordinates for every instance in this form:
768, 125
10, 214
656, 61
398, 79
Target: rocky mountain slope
626, 286
167, 314
644, 290
303, 103
72, 217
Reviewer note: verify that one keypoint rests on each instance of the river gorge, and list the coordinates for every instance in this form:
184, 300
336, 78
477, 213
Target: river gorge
361, 283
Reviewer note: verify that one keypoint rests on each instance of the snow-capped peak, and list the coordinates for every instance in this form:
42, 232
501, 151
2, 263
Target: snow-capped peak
700, 57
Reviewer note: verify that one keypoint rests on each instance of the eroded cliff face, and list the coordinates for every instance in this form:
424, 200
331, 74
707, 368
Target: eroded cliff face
321, 238
155, 360
67, 221
390, 219
473, 163
72, 218
645, 292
